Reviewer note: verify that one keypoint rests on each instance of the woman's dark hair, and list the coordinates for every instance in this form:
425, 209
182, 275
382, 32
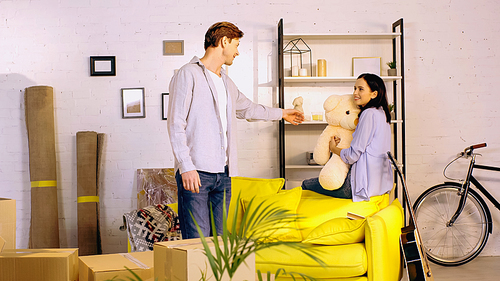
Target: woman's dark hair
220, 29
376, 84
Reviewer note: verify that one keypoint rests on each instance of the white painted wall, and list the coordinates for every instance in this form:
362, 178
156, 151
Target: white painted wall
452, 64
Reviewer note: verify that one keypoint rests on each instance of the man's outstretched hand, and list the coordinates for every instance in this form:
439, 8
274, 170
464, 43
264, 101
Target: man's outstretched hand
293, 116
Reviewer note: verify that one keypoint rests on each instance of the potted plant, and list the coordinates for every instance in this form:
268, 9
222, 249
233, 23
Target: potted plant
251, 237
392, 71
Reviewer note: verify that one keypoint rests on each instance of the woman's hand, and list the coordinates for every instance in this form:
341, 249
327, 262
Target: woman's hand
336, 140
293, 116
333, 145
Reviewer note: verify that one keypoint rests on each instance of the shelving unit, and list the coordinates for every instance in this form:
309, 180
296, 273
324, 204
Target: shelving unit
338, 49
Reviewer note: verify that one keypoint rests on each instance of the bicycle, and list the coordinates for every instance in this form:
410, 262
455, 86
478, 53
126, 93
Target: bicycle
453, 219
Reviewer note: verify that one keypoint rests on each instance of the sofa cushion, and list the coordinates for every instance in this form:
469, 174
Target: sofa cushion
287, 201
337, 231
247, 188
382, 234
341, 261
316, 209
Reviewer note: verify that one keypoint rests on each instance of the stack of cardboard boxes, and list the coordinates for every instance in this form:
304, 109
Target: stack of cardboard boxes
182, 260
31, 264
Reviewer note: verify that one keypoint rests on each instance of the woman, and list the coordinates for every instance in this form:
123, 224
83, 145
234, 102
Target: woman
370, 173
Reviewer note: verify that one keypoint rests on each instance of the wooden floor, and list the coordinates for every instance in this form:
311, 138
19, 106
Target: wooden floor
481, 269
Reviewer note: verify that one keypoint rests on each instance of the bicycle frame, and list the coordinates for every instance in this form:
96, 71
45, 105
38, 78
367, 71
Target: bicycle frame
465, 189
455, 216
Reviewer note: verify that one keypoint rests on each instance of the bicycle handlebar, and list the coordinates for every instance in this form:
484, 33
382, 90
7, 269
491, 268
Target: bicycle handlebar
467, 153
480, 145
470, 149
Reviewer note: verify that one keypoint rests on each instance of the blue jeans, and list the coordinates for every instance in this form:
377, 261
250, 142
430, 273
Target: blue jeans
344, 191
212, 190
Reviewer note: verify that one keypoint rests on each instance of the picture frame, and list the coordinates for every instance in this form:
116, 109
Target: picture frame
102, 66
164, 105
173, 47
362, 65
133, 105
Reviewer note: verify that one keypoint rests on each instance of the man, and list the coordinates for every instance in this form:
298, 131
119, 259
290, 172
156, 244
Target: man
204, 104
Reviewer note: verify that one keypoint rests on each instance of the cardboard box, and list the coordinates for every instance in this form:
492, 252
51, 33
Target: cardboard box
39, 264
106, 267
8, 222
184, 260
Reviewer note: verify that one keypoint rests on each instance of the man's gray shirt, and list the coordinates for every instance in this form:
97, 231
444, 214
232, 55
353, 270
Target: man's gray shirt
194, 123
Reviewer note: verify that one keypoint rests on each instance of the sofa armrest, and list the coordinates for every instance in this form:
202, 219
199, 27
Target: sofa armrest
382, 233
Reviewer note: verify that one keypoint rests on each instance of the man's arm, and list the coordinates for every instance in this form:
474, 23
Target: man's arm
248, 110
178, 109
176, 125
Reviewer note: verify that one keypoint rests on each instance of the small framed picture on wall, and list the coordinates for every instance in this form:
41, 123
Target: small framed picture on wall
133, 103
102, 66
173, 47
164, 106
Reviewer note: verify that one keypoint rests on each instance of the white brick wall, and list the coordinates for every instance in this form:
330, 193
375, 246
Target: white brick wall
452, 64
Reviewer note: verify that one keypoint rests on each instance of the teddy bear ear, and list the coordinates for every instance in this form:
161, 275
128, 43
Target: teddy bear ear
332, 102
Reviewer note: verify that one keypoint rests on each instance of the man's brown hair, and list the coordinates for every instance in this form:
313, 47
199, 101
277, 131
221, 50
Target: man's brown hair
218, 30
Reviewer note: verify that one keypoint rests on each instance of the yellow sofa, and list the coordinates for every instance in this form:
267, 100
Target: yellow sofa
355, 250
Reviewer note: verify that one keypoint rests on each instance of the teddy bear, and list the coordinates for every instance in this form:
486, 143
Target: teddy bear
342, 117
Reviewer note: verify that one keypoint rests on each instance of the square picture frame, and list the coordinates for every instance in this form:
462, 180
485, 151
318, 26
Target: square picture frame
133, 105
164, 105
102, 66
173, 47
362, 65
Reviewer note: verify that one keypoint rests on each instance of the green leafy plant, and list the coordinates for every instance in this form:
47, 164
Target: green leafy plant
391, 107
254, 234
391, 64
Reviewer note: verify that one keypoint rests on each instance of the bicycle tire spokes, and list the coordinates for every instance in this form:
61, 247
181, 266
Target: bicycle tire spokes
451, 244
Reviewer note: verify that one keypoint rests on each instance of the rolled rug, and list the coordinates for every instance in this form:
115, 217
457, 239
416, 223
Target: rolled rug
89, 151
44, 230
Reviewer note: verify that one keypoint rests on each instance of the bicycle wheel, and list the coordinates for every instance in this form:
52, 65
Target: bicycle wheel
466, 238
